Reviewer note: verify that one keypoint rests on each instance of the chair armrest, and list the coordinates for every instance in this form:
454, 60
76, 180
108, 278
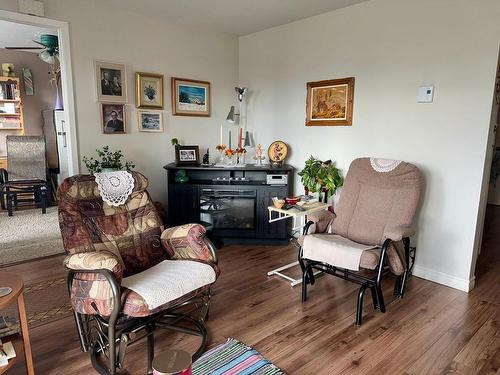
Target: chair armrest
321, 221
188, 242
398, 233
95, 261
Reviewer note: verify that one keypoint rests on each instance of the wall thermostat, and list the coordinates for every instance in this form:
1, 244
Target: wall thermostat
425, 94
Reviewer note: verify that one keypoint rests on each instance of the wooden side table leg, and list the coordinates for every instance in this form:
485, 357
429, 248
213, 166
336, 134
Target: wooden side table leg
25, 334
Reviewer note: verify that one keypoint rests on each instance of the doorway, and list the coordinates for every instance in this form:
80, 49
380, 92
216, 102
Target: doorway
36, 58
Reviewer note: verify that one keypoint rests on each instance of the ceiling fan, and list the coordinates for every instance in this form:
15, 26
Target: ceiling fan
49, 44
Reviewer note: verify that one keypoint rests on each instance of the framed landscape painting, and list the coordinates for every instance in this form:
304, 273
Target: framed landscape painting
190, 97
150, 121
330, 102
111, 82
149, 90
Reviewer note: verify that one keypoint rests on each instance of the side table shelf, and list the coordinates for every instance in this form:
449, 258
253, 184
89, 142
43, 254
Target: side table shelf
22, 339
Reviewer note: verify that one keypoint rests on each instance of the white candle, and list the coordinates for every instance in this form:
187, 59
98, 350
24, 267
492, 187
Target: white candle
220, 135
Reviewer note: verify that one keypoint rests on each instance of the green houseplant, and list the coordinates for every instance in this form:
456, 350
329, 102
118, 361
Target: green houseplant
320, 177
107, 161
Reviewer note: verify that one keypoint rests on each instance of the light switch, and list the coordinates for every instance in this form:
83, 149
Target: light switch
425, 94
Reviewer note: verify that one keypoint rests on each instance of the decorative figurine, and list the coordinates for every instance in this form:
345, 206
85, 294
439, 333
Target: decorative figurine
259, 154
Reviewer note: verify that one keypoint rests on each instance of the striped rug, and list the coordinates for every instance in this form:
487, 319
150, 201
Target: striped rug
234, 357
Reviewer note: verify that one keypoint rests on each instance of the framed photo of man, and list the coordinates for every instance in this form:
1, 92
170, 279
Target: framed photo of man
113, 118
111, 82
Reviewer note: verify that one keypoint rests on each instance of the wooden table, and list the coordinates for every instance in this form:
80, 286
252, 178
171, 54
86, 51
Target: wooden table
16, 283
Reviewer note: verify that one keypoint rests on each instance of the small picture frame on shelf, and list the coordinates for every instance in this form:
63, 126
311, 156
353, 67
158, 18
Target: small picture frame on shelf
187, 155
150, 121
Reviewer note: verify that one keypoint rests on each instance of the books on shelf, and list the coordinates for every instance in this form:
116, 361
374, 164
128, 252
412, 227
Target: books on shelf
9, 90
6, 352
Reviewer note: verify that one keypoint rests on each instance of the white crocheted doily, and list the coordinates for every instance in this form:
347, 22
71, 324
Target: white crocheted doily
115, 187
384, 165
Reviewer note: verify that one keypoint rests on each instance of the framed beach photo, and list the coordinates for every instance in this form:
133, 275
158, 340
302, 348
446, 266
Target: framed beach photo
190, 97
150, 121
330, 102
149, 90
113, 118
187, 155
111, 82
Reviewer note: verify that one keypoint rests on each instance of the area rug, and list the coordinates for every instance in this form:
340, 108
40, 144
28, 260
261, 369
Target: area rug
46, 302
233, 357
28, 235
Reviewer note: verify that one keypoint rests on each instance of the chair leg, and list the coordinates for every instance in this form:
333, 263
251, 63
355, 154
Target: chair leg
151, 348
304, 286
359, 305
310, 275
380, 297
112, 349
406, 242
374, 297
204, 316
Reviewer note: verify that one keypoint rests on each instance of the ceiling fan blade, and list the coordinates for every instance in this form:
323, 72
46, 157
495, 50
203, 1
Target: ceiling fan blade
24, 47
37, 42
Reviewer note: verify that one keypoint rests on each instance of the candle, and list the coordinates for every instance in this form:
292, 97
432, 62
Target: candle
240, 143
229, 143
220, 135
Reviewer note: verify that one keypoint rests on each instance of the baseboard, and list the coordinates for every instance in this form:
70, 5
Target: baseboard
444, 279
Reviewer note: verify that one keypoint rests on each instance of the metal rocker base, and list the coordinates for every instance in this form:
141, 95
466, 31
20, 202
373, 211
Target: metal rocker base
100, 349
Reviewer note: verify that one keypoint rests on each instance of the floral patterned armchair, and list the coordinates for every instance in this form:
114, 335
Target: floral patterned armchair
126, 273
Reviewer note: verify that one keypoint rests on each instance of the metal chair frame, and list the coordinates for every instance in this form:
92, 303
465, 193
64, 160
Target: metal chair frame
373, 283
113, 334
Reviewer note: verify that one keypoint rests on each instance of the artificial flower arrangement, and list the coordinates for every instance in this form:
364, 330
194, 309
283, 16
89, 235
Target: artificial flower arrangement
229, 152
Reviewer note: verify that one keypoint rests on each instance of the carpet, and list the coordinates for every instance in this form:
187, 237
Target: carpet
233, 357
29, 235
45, 301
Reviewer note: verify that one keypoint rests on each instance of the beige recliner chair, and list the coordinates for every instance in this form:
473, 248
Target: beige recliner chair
370, 229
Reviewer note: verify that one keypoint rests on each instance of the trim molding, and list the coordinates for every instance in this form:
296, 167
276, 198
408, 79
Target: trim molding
444, 278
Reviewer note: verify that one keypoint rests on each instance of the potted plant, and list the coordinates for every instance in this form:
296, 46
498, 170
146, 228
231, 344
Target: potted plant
320, 177
109, 161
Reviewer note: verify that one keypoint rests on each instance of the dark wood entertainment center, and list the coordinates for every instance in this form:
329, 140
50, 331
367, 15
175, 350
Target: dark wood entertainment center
230, 202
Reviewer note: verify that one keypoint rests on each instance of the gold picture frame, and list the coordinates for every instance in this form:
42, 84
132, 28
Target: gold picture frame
190, 97
149, 90
330, 102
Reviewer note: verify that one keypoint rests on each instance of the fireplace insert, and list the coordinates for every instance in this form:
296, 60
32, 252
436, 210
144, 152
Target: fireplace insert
228, 211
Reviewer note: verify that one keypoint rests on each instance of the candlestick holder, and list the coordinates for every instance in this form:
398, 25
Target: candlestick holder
220, 148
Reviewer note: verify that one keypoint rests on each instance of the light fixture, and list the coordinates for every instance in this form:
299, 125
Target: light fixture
233, 117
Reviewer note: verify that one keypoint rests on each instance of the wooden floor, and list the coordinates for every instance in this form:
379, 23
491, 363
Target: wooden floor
434, 330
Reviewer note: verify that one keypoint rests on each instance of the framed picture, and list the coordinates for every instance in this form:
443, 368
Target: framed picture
190, 97
185, 155
111, 82
113, 118
330, 102
149, 90
150, 121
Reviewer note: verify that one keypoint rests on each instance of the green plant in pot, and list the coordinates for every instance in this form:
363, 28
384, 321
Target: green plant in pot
107, 161
321, 177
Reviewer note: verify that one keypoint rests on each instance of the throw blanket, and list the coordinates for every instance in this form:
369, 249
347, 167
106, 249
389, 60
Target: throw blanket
334, 250
115, 187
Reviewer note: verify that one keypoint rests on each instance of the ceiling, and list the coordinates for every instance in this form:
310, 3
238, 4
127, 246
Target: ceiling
238, 17
19, 35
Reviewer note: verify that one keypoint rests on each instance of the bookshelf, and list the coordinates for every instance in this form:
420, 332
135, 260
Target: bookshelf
11, 110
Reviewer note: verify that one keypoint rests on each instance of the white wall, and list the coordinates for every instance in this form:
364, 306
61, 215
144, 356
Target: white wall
145, 44
391, 47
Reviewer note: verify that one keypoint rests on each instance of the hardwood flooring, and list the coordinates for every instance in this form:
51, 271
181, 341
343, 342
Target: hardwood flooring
433, 330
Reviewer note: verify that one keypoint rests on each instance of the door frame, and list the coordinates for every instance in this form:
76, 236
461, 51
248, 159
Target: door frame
62, 29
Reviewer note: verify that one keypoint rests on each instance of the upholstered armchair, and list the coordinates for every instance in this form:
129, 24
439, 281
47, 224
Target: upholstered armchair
129, 276
26, 175
368, 236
